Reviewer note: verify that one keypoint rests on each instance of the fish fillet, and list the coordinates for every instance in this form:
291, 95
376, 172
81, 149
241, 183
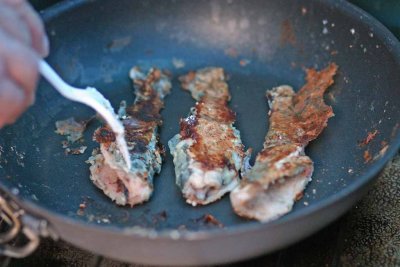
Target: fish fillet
208, 152
282, 170
141, 121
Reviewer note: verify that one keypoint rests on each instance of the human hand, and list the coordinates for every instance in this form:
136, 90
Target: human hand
22, 42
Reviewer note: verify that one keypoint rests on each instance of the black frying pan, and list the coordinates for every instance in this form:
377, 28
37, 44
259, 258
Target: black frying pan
96, 42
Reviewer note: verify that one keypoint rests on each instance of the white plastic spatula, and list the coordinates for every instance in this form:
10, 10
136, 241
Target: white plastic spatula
93, 98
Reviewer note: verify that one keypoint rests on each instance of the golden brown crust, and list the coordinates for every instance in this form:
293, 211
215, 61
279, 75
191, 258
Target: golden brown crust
301, 118
211, 124
208, 82
215, 109
143, 117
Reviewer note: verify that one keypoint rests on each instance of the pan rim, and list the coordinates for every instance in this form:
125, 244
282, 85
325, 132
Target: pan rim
371, 172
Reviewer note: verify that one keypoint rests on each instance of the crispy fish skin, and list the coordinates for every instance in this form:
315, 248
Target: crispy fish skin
282, 170
141, 122
208, 152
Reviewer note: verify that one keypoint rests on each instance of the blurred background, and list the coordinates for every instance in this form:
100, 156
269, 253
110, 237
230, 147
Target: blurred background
387, 11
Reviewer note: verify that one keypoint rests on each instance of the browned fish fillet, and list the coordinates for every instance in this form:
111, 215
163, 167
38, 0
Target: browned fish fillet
208, 152
282, 170
141, 122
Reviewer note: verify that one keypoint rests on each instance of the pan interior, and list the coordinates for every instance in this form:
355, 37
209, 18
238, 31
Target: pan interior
260, 44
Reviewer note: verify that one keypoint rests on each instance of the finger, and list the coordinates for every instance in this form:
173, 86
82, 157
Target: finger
39, 39
12, 24
20, 63
12, 102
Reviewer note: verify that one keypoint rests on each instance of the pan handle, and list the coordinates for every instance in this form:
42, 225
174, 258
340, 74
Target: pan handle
19, 232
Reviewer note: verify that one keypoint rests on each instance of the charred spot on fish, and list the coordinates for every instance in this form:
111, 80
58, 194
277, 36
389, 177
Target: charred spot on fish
147, 110
187, 127
228, 164
161, 148
104, 135
120, 186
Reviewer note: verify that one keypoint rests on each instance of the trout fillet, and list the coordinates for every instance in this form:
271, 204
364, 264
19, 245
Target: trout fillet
141, 121
282, 170
208, 152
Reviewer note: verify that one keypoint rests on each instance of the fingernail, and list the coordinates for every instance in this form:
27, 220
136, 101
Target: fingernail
46, 46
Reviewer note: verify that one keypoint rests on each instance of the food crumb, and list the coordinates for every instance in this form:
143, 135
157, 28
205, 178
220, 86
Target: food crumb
367, 156
369, 138
350, 170
208, 219
81, 210
71, 128
303, 11
65, 144
314, 191
381, 152
305, 203
75, 151
244, 62
352, 31
178, 63
334, 52
325, 30
161, 216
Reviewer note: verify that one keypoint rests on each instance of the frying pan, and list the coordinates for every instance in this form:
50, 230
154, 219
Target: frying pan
96, 43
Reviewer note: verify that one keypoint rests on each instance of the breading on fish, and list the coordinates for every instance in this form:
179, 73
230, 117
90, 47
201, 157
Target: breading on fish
208, 152
282, 170
141, 122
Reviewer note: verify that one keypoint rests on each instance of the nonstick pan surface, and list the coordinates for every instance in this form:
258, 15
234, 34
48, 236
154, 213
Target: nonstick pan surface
260, 44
